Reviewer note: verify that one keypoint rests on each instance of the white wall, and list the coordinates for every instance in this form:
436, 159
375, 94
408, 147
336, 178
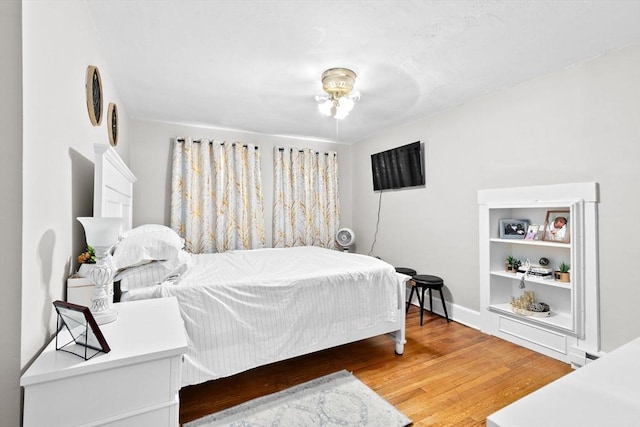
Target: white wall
59, 42
577, 125
151, 163
10, 208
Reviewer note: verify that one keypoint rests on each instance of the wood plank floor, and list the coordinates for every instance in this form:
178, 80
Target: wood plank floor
449, 375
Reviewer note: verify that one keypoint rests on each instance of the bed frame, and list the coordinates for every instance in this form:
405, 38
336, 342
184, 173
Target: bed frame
113, 196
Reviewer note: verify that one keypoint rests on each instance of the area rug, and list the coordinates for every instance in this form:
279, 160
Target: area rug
339, 399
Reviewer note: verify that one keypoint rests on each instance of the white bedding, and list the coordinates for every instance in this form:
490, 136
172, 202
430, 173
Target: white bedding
244, 309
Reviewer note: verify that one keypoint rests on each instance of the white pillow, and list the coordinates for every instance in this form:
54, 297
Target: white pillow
146, 228
153, 273
151, 242
142, 276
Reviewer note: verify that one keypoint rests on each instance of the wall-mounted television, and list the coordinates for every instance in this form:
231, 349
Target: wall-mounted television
398, 167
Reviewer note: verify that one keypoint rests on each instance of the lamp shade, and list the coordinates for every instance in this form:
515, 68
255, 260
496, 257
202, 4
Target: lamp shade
101, 232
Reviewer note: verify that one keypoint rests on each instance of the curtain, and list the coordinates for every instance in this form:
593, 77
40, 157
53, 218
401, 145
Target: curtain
306, 206
216, 196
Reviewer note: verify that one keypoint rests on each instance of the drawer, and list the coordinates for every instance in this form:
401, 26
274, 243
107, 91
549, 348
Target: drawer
166, 416
531, 336
99, 395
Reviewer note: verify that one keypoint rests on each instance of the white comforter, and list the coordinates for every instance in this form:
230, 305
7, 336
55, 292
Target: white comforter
244, 309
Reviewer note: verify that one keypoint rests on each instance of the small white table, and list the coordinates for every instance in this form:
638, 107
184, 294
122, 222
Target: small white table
136, 383
605, 392
80, 290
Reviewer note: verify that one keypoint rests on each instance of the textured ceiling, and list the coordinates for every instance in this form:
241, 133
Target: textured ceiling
256, 65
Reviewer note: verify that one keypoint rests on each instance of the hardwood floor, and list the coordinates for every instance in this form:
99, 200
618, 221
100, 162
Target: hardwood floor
449, 375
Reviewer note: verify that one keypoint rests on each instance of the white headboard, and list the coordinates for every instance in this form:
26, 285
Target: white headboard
112, 186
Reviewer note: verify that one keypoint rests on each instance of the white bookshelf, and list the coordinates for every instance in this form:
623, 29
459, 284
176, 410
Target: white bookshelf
572, 329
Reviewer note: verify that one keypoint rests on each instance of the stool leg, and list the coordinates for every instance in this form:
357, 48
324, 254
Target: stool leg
444, 305
410, 296
422, 305
430, 301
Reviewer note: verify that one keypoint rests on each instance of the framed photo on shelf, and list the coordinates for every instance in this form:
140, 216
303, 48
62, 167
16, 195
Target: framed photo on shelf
556, 227
86, 339
513, 228
532, 232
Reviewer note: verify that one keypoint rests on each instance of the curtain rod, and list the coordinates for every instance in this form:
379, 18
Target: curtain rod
198, 141
302, 151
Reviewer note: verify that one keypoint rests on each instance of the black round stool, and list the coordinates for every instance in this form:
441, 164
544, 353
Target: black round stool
408, 271
424, 282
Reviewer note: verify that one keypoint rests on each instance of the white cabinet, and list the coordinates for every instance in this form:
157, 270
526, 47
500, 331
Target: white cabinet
571, 331
603, 393
136, 383
79, 290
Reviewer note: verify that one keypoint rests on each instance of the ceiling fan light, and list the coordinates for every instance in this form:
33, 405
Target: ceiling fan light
345, 103
340, 99
341, 113
354, 96
325, 107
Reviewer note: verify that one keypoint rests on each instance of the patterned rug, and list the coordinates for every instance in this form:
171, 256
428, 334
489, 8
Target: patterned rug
339, 399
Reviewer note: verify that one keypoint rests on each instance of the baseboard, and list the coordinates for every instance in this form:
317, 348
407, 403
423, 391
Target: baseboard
458, 313
580, 357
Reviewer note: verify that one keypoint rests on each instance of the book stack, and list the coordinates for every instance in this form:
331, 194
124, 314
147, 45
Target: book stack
537, 270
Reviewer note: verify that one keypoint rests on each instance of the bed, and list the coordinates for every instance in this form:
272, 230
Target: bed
244, 309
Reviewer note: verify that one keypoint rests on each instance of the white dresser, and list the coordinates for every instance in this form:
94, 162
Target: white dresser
135, 384
605, 392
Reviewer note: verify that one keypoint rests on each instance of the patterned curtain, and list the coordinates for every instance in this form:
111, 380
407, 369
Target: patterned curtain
306, 206
216, 196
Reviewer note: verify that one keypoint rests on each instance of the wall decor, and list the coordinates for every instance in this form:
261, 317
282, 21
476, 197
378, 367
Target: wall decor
112, 124
556, 227
513, 228
93, 87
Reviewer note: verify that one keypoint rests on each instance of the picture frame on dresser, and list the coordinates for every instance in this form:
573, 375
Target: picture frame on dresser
81, 331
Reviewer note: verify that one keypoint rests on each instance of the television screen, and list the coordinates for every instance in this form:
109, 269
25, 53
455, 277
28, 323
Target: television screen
398, 168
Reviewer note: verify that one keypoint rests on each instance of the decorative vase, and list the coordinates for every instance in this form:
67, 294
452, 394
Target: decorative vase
101, 233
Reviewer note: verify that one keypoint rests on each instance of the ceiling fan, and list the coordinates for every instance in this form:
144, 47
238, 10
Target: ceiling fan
339, 99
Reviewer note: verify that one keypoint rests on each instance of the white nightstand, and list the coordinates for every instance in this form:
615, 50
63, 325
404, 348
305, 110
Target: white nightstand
136, 383
79, 290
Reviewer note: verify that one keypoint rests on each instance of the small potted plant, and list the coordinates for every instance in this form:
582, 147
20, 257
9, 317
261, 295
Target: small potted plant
512, 264
87, 261
562, 274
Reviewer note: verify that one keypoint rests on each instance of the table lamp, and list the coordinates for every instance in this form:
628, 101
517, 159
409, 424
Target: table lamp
102, 234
